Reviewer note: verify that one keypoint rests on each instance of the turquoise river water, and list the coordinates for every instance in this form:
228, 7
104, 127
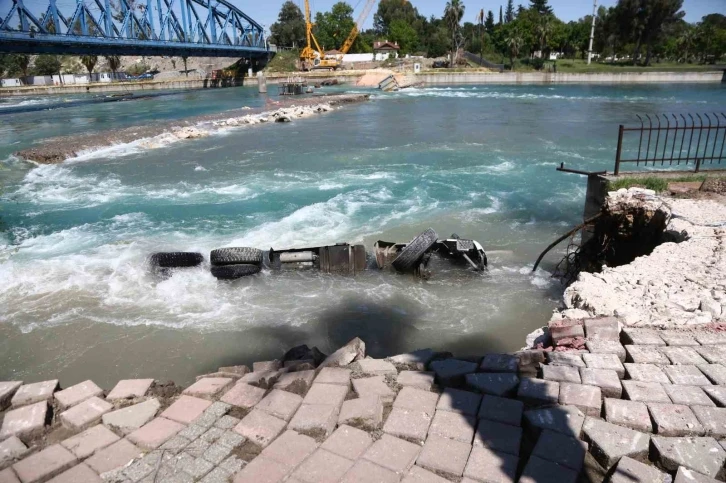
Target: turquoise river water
77, 299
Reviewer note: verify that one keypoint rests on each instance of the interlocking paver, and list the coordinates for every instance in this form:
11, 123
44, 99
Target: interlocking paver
7, 391
494, 383
129, 389
155, 433
451, 372
298, 382
688, 395
33, 393
290, 448
131, 418
259, 427
262, 379
683, 356
629, 471
418, 399
537, 391
262, 470
565, 359
686, 375
643, 354
85, 414
602, 328
587, 399
498, 436
8, 476
539, 470
366, 472
209, 387
459, 401
502, 410
566, 329
26, 422
674, 420
11, 450
226, 422
45, 464
363, 412
453, 425
684, 475
608, 381
77, 474
186, 409
348, 442
715, 354
331, 394
322, 467
416, 379
710, 338
418, 358
280, 403
77, 394
444, 455
631, 414
718, 394
561, 374
419, 475
334, 375
499, 363
609, 442
716, 373
642, 337
408, 424
91, 440
315, 419
372, 387
645, 392
262, 366
606, 347
243, 395
114, 456
703, 455
393, 453
712, 419
609, 362
562, 419
377, 367
561, 449
646, 373
678, 338
489, 466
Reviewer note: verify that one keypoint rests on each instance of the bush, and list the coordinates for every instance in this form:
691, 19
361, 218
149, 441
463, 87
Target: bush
537, 63
138, 69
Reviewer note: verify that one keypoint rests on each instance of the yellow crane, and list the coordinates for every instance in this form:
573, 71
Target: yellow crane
315, 58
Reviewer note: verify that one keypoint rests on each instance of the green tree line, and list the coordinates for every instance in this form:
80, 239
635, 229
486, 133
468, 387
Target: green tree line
20, 65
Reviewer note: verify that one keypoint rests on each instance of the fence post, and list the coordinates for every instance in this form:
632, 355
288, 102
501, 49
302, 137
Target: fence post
620, 147
698, 165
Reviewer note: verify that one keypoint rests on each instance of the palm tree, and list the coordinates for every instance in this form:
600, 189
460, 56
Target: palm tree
453, 14
114, 62
544, 29
89, 61
686, 41
514, 41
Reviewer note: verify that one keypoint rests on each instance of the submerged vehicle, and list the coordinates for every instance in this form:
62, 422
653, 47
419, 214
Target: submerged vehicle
342, 258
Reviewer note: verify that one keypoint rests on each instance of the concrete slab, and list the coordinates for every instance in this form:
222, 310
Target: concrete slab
587, 399
316, 420
539, 470
260, 428
409, 424
631, 414
348, 442
297, 382
683, 356
155, 433
651, 392
609, 442
130, 389
718, 394
684, 475
88, 442
642, 336
643, 354
444, 455
606, 347
26, 422
561, 449
629, 470
77, 474
498, 437
280, 403
262, 470
376, 367
85, 414
561, 419
334, 375
115, 456
608, 381
131, 418
703, 455
365, 413
686, 375
418, 359
419, 475
537, 392
11, 450
77, 394
488, 466
453, 425
602, 328
646, 373
674, 420
561, 374
716, 373
45, 464
499, 363
373, 387
8, 476
322, 467
33, 393
678, 338
502, 410
416, 379
565, 359
715, 354
243, 395
451, 372
7, 391
688, 395
494, 383
209, 387
290, 449
186, 409
712, 419
609, 362
366, 472
459, 401
416, 399
393, 453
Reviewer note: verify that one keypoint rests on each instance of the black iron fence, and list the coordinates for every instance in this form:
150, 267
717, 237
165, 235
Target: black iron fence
674, 140
477, 59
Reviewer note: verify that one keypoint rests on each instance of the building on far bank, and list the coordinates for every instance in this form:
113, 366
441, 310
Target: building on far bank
384, 50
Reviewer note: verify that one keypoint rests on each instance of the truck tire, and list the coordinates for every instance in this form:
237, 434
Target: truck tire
412, 253
233, 256
175, 259
233, 272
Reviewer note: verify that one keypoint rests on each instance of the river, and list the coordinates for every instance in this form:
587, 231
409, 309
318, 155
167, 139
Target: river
78, 301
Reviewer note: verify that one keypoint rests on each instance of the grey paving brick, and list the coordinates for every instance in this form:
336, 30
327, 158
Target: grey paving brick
602, 328
316, 419
631, 414
608, 381
84, 444
259, 427
686, 375
198, 447
192, 432
629, 470
499, 363
678, 338
374, 387
231, 439
451, 372
606, 347
674, 420
684, 475
232, 464
562, 419
539, 470
175, 445
453, 425
498, 436
348, 442
714, 354
12, 449
605, 361
706, 337
416, 379
645, 392
217, 475
561, 374
538, 391
642, 336
393, 453
330, 394
717, 393
565, 359
212, 434
494, 383
45, 464
716, 373
609, 442
587, 399
196, 467
281, 404
262, 470
643, 354
444, 455
364, 412
712, 419
488, 466
419, 475
226, 422
459, 401
298, 382
417, 399
376, 367
364, 471
561, 449
701, 454
646, 373
683, 356
688, 395
418, 358
502, 410
409, 424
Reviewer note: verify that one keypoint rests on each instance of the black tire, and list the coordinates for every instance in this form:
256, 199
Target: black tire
234, 256
412, 253
233, 272
176, 259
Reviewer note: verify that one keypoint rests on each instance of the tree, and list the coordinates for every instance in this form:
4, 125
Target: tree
404, 35
453, 14
540, 6
114, 62
544, 29
392, 10
289, 30
47, 65
509, 14
501, 19
489, 23
332, 28
89, 62
514, 42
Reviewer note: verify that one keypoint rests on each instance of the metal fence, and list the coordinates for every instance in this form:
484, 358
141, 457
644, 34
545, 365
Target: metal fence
674, 140
483, 62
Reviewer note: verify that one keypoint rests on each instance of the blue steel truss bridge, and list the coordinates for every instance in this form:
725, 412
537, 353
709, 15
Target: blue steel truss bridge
208, 28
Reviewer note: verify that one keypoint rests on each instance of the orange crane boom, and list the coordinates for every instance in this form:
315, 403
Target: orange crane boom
358, 26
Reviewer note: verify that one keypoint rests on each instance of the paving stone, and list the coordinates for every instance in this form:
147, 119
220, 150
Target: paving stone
494, 383
561, 449
176, 445
348, 442
88, 442
217, 453
630, 471
419, 358
565, 359
130, 389
298, 381
363, 412
315, 419
451, 372
683, 356
217, 475
502, 410
606, 347
537, 391
262, 379
684, 475
409, 424
561, 419
393, 453
33, 393
77, 394
499, 363
243, 395
209, 387
11, 450
713, 354
366, 472
226, 422
197, 448
686, 375
674, 420
609, 442
231, 439
322, 467
416, 379
260, 428
608, 381
192, 432
566, 329
232, 464
489, 466
7, 391
644, 354
642, 337
716, 373
539, 470
26, 422
587, 399
79, 473
216, 411
703, 455
155, 433
418, 399
85, 414
372, 387
710, 338
602, 328
631, 414
377, 367
330, 394
419, 475
131, 418
605, 361
712, 419
677, 338
262, 470
45, 464
717, 393
334, 375
646, 373
274, 365
459, 401
561, 374
212, 434
651, 392
8, 476
453, 425
280, 403
112, 457
498, 436
444, 455
186, 409
688, 395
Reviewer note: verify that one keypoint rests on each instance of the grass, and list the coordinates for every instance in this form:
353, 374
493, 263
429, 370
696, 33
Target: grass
284, 61
654, 183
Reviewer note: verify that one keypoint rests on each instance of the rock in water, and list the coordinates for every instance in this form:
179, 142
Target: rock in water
351, 352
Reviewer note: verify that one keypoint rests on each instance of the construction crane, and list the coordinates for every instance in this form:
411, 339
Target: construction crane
315, 58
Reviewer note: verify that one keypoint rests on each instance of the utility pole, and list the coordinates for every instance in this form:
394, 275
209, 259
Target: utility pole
592, 32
